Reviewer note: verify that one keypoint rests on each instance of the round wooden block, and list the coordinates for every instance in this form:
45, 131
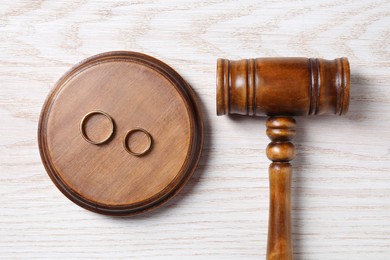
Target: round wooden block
120, 133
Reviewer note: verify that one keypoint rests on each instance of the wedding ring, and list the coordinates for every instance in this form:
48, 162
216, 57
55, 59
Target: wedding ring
129, 134
84, 120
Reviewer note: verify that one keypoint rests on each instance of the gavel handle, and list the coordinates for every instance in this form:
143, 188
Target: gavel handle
279, 226
280, 130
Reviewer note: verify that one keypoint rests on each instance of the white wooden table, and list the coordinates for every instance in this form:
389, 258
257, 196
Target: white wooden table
341, 185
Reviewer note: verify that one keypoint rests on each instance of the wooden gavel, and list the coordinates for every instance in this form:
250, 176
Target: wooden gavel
281, 88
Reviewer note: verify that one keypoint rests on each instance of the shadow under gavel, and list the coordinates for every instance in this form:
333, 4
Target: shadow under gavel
281, 88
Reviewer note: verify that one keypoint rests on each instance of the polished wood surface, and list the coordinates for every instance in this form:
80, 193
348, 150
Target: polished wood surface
120, 133
341, 182
283, 86
281, 130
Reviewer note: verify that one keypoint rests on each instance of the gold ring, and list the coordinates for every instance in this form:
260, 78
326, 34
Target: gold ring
127, 136
82, 127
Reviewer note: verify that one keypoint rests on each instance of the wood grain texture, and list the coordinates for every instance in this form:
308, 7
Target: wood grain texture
341, 182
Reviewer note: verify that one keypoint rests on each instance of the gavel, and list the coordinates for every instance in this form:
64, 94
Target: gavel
281, 88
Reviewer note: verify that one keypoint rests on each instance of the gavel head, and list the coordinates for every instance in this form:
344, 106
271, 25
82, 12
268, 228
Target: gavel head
283, 86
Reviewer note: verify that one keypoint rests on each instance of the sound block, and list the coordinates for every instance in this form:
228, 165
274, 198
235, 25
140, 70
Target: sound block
120, 133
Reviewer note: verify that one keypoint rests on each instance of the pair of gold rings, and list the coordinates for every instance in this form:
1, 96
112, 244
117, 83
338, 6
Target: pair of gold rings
111, 133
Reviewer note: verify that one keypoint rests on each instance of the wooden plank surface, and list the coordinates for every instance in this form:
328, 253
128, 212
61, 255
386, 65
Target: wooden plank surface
341, 183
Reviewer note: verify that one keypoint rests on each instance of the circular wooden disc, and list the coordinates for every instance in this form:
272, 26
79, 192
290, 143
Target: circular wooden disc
128, 91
